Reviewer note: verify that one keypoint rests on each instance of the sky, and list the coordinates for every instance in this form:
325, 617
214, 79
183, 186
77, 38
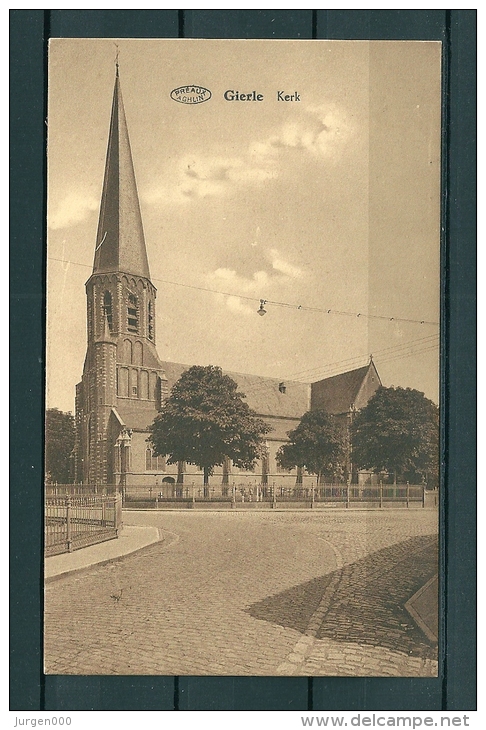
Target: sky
328, 208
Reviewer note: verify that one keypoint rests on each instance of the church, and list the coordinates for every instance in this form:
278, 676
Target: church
124, 382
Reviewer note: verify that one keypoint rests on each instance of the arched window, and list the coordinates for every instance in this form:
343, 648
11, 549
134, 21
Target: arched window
144, 384
132, 313
148, 459
108, 309
154, 463
153, 386
123, 382
150, 321
137, 353
127, 351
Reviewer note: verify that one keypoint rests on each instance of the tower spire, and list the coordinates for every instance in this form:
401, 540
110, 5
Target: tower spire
120, 242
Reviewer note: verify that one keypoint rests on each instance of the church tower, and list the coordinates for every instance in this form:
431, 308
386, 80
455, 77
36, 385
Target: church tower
123, 380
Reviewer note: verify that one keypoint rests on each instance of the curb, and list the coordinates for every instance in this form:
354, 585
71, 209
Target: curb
116, 558
429, 633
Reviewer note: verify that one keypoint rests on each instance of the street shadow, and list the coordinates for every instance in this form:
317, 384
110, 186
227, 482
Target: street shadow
368, 603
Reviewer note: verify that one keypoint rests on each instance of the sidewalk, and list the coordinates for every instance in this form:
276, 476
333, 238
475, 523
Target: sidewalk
131, 539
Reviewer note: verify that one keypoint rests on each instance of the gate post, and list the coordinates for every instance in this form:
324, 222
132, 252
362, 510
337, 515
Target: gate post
193, 503
118, 513
68, 524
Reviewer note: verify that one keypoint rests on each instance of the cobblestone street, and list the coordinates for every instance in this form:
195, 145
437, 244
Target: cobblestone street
252, 593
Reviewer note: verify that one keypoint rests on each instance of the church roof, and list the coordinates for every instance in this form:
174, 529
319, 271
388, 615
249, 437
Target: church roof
120, 242
266, 396
337, 394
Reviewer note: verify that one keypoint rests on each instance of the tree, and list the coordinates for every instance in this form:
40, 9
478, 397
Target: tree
398, 432
319, 444
60, 435
204, 420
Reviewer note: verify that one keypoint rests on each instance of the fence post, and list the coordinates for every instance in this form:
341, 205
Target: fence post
103, 513
118, 513
348, 487
423, 495
274, 503
68, 524
408, 495
381, 494
233, 497
313, 496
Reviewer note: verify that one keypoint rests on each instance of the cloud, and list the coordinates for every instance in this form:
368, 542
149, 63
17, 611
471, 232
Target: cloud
284, 267
321, 131
73, 208
229, 281
239, 306
233, 287
200, 177
229, 278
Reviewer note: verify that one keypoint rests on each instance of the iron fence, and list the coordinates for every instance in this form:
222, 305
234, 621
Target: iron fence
62, 490
270, 495
76, 521
250, 494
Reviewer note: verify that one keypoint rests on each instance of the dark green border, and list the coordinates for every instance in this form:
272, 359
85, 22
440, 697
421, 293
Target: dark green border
456, 688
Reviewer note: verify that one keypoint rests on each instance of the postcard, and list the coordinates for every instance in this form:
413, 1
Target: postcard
243, 321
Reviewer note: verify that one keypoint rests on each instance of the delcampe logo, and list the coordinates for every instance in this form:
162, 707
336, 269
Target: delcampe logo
190, 94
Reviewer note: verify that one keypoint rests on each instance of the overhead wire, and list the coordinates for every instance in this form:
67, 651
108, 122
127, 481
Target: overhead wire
348, 361
409, 354
384, 355
288, 305
364, 359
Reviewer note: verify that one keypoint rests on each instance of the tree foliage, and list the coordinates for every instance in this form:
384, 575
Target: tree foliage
60, 434
398, 432
205, 419
319, 444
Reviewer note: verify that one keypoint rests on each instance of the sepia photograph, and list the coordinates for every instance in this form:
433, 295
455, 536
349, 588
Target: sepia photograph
242, 452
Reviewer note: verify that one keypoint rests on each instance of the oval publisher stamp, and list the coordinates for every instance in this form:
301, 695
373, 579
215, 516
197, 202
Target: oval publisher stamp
190, 94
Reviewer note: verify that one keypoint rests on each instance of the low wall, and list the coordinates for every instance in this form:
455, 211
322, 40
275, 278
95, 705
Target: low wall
215, 504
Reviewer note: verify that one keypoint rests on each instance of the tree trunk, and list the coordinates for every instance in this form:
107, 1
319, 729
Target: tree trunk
206, 476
